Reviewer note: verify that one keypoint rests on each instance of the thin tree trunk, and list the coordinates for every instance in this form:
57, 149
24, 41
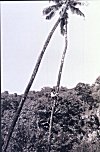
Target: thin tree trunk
62, 62
58, 84
29, 86
50, 126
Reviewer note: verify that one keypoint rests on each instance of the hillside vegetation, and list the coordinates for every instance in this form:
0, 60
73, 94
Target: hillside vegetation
76, 121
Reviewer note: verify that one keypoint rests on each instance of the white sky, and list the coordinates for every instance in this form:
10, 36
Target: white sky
23, 33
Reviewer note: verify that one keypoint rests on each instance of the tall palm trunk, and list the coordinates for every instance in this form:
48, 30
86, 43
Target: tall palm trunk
29, 86
58, 84
62, 61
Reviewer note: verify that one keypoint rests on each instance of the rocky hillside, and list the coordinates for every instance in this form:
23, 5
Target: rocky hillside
76, 121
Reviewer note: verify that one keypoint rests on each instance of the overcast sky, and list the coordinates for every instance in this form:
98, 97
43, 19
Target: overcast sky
24, 31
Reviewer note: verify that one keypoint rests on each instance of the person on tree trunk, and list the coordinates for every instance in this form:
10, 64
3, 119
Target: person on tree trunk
54, 95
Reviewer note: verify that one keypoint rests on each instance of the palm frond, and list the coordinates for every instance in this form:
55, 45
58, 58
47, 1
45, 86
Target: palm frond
51, 8
74, 3
47, 10
57, 6
78, 3
48, 17
76, 11
62, 23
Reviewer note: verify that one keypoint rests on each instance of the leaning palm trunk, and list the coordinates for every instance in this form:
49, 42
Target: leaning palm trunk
58, 84
29, 86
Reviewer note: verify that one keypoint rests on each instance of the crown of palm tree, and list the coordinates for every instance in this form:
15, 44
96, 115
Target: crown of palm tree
63, 6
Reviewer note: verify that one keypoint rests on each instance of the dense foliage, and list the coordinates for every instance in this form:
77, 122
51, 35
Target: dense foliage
76, 120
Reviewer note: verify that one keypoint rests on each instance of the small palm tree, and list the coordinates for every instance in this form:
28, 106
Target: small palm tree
50, 11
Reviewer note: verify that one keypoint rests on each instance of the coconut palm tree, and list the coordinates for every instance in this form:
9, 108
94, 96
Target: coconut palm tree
58, 85
11, 128
49, 12
63, 26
